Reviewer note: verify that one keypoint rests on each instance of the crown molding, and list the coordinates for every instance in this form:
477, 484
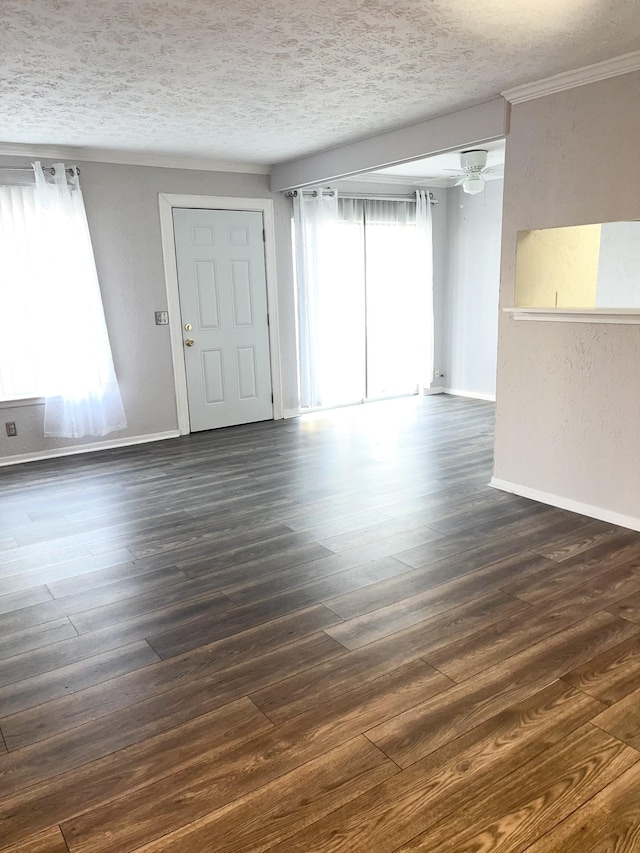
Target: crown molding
130, 158
571, 79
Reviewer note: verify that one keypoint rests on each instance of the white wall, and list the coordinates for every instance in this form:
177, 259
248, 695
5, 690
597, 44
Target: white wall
472, 290
122, 208
619, 265
568, 411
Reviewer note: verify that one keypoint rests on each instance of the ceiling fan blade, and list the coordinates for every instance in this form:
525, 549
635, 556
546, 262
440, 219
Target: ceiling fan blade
460, 181
495, 171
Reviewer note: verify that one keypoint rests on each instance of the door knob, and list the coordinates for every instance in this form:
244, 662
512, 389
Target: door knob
189, 342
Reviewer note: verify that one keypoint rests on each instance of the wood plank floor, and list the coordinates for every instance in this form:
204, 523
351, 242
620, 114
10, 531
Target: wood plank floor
320, 635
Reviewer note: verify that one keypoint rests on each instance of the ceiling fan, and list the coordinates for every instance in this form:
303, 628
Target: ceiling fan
472, 176
474, 169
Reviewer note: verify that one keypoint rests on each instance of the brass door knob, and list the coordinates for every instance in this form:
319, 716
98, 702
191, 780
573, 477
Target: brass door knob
188, 327
189, 342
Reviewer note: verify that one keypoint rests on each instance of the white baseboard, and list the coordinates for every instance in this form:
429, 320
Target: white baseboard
589, 510
428, 392
473, 395
291, 413
55, 452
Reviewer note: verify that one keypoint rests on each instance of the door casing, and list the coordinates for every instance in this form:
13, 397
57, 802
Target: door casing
263, 205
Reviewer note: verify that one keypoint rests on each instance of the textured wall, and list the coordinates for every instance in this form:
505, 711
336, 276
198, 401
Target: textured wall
471, 309
568, 414
122, 208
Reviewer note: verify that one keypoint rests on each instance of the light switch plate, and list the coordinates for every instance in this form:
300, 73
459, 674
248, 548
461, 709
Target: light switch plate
162, 318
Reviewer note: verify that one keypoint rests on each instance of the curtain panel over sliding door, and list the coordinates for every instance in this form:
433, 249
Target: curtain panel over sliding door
329, 334
424, 226
365, 298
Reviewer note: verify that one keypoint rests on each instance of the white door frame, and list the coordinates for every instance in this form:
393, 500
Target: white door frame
167, 202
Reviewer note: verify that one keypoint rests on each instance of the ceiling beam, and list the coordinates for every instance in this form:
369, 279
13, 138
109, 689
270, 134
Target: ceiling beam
128, 158
472, 126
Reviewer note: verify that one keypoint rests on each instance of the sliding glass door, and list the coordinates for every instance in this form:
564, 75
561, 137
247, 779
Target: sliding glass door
367, 317
395, 320
342, 367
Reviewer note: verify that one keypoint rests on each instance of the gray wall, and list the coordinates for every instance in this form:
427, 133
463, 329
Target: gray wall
473, 281
440, 280
568, 410
122, 208
619, 265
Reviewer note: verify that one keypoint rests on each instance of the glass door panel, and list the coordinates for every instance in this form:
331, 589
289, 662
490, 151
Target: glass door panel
342, 367
394, 310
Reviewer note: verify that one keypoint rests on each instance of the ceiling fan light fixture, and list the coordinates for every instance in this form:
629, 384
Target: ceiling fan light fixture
474, 159
473, 184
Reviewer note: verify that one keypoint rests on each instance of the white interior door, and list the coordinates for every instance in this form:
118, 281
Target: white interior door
223, 306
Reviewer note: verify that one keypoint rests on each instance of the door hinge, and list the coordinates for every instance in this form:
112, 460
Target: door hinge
264, 236
272, 396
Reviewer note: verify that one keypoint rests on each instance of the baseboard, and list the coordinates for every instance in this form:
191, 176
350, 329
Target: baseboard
55, 452
291, 413
473, 395
429, 392
589, 510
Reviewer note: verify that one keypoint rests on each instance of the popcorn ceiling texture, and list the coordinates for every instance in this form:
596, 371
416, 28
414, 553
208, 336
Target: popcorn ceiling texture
268, 80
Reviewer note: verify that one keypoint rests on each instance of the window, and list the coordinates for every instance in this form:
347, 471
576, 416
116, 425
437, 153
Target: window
53, 335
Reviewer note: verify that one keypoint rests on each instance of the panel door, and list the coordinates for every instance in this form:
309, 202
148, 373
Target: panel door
223, 306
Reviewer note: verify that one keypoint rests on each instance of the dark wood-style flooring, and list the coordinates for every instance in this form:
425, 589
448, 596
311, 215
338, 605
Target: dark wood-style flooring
326, 634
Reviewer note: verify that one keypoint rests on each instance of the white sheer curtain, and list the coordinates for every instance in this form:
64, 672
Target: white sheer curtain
53, 328
314, 215
424, 224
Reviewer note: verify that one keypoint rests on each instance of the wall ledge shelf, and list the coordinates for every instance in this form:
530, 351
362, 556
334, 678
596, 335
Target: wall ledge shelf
628, 316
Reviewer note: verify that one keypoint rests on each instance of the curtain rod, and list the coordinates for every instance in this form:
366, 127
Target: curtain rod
50, 169
365, 196
372, 197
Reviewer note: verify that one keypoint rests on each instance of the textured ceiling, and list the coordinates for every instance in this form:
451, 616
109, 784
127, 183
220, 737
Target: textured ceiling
268, 80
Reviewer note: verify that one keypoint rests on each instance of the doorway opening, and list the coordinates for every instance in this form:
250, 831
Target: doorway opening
372, 319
